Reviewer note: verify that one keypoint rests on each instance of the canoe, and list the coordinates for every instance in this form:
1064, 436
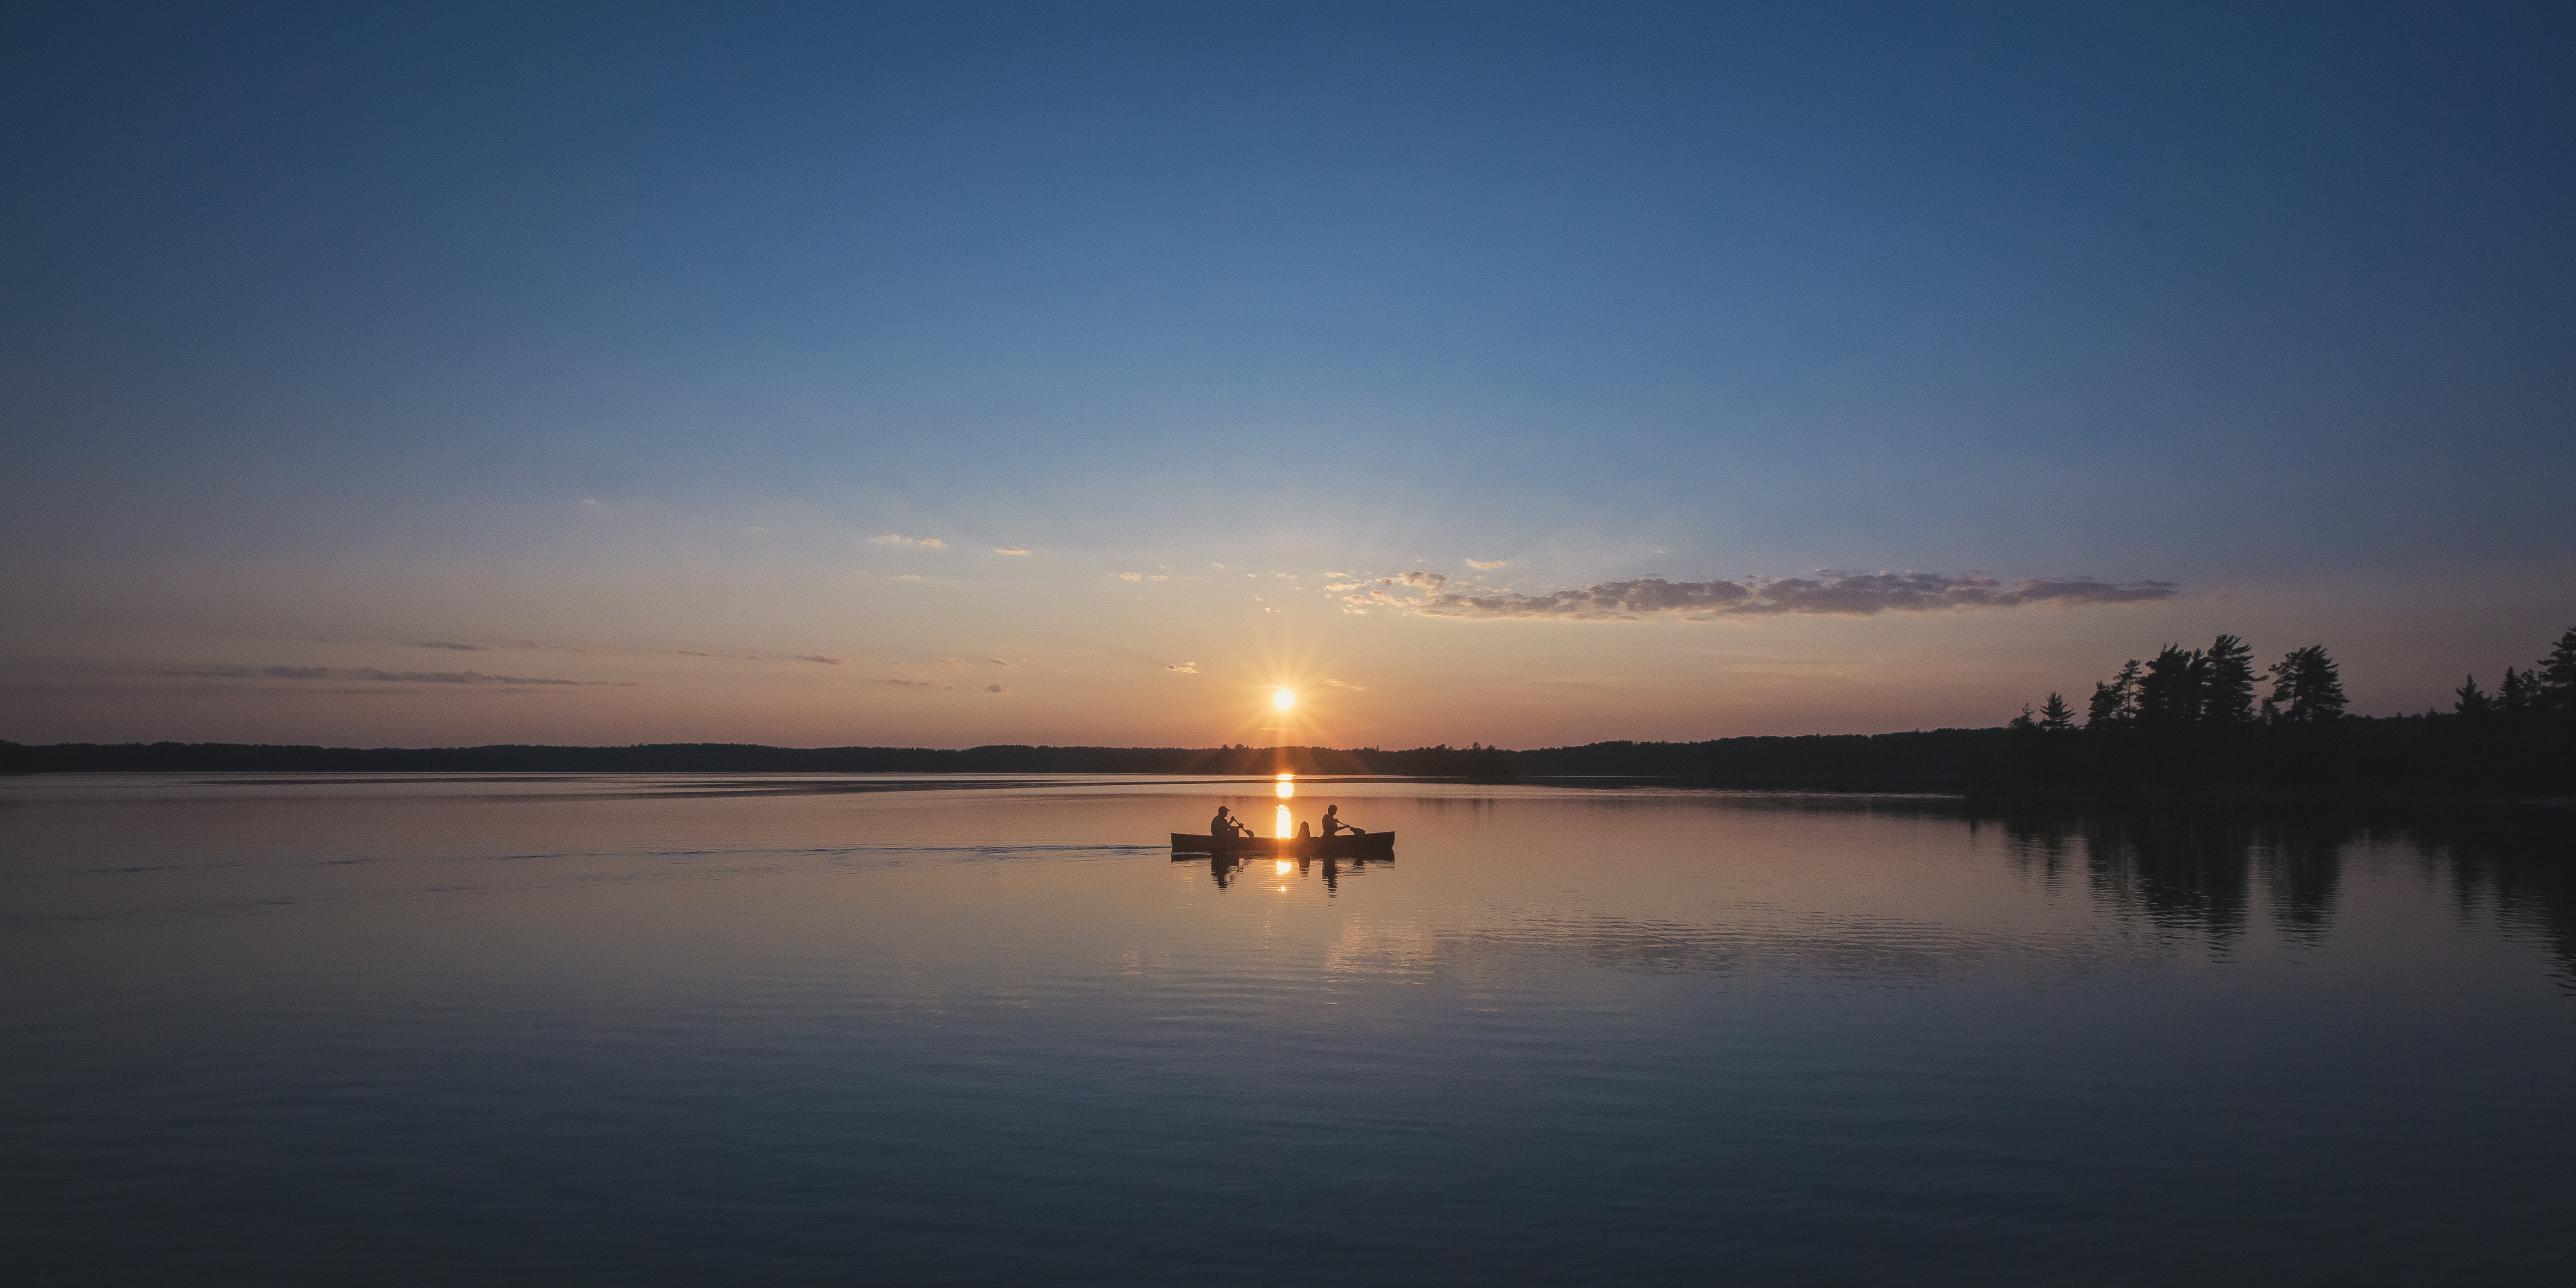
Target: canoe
1374, 845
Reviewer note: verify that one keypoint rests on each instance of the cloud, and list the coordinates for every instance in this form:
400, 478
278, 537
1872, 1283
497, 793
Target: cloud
998, 662
539, 646
1185, 668
825, 659
920, 684
995, 688
952, 663
1011, 550
203, 690
1827, 592
1487, 565
382, 677
1331, 683
1131, 576
896, 539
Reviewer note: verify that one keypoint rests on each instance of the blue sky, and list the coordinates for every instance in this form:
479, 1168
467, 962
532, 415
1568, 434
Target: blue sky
633, 330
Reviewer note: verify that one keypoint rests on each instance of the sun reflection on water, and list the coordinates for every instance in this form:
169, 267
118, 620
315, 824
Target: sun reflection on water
1279, 824
1287, 786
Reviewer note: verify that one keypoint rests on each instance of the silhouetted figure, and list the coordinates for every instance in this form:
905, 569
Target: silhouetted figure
1225, 824
1305, 833
1333, 823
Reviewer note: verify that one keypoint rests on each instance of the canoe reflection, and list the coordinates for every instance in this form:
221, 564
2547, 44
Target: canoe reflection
1228, 868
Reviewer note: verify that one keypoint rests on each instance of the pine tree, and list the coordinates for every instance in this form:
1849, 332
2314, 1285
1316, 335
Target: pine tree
2309, 682
2116, 701
2057, 717
2228, 698
2473, 700
2558, 674
2170, 694
2022, 721
2519, 692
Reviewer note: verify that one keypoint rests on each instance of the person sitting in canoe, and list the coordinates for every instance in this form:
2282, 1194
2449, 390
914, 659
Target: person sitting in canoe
1333, 822
1226, 825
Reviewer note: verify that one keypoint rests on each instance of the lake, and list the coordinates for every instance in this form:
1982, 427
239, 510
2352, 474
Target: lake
687, 1029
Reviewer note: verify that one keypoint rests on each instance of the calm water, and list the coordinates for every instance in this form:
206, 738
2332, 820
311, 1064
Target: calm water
673, 1029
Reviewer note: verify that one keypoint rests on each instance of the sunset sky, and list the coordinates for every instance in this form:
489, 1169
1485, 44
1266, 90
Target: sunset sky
954, 374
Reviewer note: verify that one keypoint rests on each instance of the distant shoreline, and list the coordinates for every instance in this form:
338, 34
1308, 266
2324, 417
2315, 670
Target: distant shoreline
2421, 758
1912, 761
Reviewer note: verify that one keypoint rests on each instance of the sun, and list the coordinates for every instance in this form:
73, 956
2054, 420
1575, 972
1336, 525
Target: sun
1281, 697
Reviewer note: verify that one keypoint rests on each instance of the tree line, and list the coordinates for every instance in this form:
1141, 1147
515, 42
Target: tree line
691, 757
2184, 720
2190, 718
1921, 761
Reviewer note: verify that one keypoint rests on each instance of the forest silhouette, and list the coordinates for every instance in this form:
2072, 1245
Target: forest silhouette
2185, 721
2188, 719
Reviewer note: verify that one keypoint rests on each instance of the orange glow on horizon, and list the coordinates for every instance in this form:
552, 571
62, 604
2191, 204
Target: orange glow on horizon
1277, 684
1287, 786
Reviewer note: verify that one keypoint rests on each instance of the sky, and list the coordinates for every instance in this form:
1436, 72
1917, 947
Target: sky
950, 374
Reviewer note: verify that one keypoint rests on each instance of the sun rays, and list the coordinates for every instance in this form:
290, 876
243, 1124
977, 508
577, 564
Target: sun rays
1285, 698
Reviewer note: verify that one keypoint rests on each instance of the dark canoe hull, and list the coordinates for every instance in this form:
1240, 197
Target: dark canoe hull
1375, 845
